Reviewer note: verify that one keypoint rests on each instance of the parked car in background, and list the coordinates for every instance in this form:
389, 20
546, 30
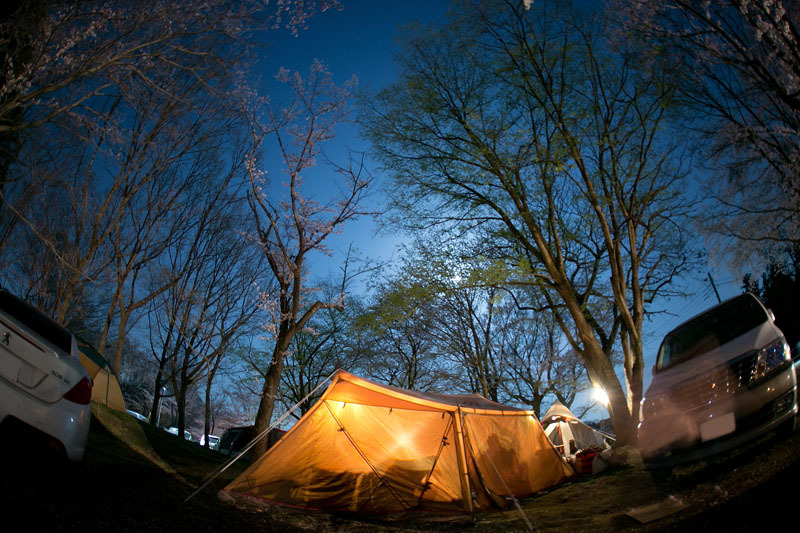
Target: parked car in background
720, 379
139, 416
213, 441
186, 434
45, 392
236, 439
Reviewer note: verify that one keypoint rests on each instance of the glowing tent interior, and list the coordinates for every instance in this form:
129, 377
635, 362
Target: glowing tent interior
378, 450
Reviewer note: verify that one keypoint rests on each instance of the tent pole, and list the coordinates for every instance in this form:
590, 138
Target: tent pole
466, 493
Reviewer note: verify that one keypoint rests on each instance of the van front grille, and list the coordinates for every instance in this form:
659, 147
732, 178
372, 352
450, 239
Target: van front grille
715, 386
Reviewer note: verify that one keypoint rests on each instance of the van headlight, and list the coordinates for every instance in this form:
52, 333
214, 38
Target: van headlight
651, 406
770, 357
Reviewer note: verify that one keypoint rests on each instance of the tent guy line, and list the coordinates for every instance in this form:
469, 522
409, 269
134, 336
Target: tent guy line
216, 473
399, 498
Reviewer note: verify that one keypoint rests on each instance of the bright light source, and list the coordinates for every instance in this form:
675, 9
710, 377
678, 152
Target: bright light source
600, 395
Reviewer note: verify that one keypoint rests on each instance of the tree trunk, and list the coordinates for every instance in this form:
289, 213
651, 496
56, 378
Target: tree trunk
622, 419
601, 372
121, 329
269, 393
180, 400
208, 427
156, 408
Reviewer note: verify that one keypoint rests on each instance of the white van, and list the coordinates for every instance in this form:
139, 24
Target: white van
721, 379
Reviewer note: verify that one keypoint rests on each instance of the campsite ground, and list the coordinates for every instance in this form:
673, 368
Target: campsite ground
135, 478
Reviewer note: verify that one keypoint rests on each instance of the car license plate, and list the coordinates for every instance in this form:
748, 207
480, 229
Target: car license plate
718, 426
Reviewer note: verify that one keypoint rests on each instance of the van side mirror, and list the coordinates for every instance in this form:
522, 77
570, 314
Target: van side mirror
771, 315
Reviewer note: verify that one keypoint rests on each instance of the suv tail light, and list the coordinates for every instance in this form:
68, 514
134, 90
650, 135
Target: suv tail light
81, 393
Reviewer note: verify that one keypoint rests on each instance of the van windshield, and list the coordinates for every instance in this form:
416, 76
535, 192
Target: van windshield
711, 329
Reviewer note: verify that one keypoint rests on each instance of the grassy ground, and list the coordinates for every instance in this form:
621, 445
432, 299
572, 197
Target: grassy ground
135, 478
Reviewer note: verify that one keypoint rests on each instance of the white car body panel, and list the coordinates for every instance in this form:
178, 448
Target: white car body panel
34, 377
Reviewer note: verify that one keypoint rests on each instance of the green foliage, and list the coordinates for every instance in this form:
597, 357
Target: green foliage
529, 132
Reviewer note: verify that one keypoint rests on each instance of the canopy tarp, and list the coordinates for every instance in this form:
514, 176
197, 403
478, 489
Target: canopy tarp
373, 449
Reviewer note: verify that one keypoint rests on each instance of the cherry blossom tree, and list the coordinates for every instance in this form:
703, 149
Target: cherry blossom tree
292, 224
91, 46
119, 113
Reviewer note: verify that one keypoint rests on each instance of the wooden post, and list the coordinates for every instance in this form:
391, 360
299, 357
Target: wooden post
463, 474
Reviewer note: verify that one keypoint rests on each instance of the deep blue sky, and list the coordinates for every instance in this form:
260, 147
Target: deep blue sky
355, 41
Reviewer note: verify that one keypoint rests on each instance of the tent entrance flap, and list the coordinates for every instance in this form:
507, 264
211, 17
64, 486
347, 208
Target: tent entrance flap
508, 492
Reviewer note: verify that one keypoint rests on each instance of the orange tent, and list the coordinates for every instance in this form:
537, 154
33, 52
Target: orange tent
379, 450
105, 386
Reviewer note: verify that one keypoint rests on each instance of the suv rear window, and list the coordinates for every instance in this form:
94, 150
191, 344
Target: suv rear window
36, 321
713, 328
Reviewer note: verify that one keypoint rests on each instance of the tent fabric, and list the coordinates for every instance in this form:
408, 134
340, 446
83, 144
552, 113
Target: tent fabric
105, 386
558, 409
568, 434
377, 450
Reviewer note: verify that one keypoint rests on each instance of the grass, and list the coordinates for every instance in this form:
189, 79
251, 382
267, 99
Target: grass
136, 477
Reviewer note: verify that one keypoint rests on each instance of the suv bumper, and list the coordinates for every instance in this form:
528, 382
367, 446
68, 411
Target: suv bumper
756, 412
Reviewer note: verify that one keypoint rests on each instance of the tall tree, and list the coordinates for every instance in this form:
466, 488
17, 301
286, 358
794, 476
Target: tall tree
528, 123
198, 320
291, 225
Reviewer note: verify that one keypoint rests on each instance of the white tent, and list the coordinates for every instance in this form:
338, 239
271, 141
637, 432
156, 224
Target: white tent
568, 434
